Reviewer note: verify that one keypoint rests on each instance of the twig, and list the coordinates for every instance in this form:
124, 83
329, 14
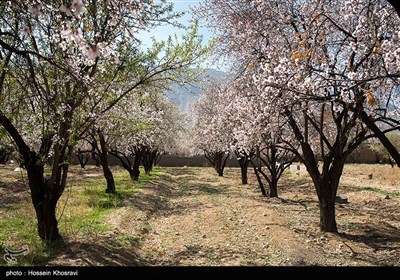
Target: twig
23, 178
65, 204
351, 249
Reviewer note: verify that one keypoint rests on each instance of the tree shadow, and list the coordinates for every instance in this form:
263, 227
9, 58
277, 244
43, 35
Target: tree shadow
13, 193
376, 236
301, 185
201, 255
304, 203
106, 251
382, 239
179, 171
158, 199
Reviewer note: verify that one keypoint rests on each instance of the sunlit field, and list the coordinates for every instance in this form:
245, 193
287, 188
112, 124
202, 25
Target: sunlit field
190, 216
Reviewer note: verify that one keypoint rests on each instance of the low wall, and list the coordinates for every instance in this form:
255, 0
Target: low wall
365, 155
195, 161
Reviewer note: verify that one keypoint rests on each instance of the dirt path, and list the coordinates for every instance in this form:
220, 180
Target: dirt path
209, 221
192, 217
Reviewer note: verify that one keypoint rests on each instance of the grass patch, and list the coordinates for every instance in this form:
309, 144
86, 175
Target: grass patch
124, 240
22, 231
82, 212
208, 189
370, 189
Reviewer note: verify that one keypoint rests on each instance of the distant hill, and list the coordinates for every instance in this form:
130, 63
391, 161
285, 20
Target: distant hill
184, 96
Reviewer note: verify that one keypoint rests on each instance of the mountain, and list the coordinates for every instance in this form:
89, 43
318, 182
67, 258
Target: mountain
184, 96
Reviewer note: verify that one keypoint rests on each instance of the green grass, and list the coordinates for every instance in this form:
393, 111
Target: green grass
19, 231
208, 189
370, 189
84, 207
123, 240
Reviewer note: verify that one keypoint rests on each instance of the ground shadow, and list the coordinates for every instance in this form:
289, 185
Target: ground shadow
157, 200
13, 193
382, 239
376, 236
105, 251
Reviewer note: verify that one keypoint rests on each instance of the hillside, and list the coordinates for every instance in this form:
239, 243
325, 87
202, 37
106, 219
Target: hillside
184, 96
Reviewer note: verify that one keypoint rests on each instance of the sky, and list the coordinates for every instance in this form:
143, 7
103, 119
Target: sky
162, 33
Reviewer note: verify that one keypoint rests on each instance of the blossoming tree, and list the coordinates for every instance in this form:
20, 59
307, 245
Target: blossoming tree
331, 69
211, 134
54, 57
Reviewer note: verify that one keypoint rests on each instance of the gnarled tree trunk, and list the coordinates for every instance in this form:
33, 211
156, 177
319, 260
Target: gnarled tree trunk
273, 188
218, 161
259, 180
83, 158
326, 198
102, 153
45, 192
133, 167
148, 159
4, 156
244, 164
44, 199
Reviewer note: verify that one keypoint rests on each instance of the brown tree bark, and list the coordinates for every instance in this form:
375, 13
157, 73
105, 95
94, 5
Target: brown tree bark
273, 188
45, 193
44, 199
259, 180
103, 155
244, 164
218, 161
83, 158
382, 137
133, 167
327, 189
4, 156
148, 160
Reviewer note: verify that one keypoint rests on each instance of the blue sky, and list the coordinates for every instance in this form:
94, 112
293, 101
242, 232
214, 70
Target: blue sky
163, 32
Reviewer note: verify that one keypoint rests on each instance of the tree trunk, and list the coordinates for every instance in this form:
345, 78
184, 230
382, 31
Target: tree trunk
217, 160
148, 160
327, 216
96, 159
83, 158
217, 166
44, 200
244, 164
273, 188
259, 180
4, 155
221, 162
136, 164
45, 193
104, 163
47, 222
326, 190
108, 176
134, 174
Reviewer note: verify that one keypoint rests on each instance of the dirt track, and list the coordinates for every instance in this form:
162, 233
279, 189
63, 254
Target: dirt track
192, 217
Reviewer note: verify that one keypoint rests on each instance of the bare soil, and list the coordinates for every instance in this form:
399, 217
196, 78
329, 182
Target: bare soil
192, 217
